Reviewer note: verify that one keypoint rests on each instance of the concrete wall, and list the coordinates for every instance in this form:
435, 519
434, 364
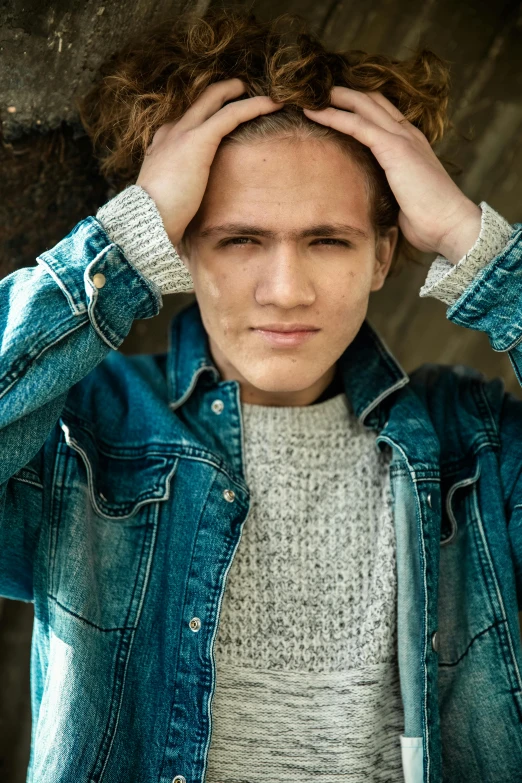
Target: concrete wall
49, 53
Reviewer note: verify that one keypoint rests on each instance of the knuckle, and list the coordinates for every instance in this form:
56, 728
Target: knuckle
188, 138
417, 132
257, 102
229, 108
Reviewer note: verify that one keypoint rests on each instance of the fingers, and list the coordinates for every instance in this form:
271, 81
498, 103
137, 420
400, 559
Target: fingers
379, 98
210, 101
396, 114
371, 106
233, 114
348, 122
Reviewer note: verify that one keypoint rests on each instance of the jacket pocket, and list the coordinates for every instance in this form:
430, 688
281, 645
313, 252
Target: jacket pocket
106, 508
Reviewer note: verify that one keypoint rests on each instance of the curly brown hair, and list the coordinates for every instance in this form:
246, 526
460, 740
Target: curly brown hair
156, 78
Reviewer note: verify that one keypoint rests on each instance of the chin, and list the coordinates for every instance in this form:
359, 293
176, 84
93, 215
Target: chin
279, 382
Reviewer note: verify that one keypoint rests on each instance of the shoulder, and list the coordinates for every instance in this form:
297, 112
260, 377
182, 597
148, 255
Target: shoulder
460, 397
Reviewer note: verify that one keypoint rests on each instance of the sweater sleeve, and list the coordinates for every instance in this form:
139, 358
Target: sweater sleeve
132, 221
447, 281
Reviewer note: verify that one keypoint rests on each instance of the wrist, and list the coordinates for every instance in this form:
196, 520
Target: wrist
132, 220
459, 240
165, 209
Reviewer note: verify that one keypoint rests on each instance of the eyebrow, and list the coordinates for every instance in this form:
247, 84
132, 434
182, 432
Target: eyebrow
322, 229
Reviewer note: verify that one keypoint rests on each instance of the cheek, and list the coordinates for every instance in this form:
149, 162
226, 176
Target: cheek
221, 282
349, 288
225, 289
218, 296
212, 286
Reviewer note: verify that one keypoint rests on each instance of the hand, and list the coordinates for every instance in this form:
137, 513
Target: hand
176, 166
435, 215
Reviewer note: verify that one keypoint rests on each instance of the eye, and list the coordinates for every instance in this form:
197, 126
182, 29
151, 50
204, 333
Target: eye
331, 241
236, 241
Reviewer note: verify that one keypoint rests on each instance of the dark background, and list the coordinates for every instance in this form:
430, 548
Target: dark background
49, 54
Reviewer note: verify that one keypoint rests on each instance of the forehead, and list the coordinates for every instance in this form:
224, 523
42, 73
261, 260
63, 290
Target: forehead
288, 182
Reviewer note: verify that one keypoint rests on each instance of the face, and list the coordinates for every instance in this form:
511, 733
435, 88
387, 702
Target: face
283, 239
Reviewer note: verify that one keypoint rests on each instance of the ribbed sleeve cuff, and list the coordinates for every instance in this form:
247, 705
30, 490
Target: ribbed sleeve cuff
132, 220
447, 281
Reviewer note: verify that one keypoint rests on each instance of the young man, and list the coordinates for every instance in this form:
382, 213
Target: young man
372, 595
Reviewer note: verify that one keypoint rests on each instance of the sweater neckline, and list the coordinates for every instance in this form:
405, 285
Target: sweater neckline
333, 409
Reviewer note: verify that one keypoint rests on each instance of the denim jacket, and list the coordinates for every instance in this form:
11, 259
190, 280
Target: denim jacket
123, 495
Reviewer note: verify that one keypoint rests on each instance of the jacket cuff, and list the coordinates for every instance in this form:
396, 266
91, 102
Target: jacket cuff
447, 281
97, 281
492, 302
132, 220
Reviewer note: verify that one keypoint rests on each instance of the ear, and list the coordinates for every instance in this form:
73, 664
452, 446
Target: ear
384, 248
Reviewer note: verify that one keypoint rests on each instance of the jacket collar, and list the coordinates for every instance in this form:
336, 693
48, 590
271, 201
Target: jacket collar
369, 371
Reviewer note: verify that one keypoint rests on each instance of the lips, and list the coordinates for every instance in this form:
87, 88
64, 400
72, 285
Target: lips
286, 338
295, 327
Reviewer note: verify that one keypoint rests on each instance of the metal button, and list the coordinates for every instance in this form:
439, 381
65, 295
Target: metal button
217, 406
229, 495
429, 499
435, 642
179, 779
195, 624
99, 280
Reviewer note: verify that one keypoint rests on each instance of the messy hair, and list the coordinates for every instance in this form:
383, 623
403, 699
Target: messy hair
157, 77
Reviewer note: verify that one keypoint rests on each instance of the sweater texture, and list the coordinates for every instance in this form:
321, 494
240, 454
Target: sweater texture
306, 664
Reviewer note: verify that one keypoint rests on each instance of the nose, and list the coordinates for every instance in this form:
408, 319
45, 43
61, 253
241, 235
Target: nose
285, 279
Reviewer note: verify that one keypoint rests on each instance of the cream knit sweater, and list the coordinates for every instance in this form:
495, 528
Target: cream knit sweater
307, 677
307, 680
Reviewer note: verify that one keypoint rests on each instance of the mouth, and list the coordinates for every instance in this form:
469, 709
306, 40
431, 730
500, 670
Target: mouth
286, 338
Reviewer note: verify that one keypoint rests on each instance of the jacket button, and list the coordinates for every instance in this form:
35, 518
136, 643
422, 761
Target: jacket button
195, 624
99, 280
435, 642
429, 499
179, 779
229, 495
217, 406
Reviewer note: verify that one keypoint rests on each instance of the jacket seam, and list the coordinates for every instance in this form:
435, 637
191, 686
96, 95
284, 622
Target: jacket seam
180, 632
470, 644
32, 358
132, 633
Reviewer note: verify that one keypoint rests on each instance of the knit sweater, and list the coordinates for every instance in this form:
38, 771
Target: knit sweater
306, 661
306, 652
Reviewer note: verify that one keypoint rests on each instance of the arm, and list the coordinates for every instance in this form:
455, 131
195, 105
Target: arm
471, 289
447, 281
435, 216
58, 320
484, 290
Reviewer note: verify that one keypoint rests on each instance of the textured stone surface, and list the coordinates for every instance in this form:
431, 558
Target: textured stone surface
67, 42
